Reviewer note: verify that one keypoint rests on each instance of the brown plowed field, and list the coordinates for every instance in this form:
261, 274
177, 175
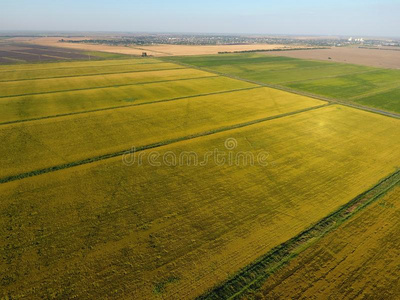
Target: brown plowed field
383, 58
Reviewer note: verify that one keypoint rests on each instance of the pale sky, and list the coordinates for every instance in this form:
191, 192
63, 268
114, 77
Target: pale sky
309, 17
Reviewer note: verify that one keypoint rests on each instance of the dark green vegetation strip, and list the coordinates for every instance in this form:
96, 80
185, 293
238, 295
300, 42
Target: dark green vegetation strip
252, 277
151, 146
108, 86
129, 105
92, 74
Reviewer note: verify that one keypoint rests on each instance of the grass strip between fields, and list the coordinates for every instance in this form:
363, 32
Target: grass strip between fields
87, 75
252, 277
128, 105
152, 146
109, 86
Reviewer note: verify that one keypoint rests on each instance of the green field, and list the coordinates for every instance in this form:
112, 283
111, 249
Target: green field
224, 171
360, 84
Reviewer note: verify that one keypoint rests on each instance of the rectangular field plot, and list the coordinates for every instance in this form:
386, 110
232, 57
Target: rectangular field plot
307, 73
27, 87
293, 73
335, 80
359, 259
345, 87
219, 62
119, 67
75, 64
174, 230
271, 70
44, 105
45, 143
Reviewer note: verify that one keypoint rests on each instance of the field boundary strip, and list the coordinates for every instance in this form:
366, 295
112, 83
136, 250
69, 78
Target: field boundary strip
252, 277
153, 145
293, 91
128, 105
109, 86
87, 75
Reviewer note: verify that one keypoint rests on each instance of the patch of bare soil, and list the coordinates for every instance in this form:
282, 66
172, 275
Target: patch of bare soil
384, 58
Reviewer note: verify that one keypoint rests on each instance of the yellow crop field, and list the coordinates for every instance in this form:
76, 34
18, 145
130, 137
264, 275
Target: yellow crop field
75, 64
357, 260
44, 105
156, 230
118, 67
179, 165
15, 88
49, 142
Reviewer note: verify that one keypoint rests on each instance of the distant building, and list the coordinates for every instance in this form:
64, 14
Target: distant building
357, 40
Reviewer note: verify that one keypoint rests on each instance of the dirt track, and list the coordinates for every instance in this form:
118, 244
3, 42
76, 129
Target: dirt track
369, 57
